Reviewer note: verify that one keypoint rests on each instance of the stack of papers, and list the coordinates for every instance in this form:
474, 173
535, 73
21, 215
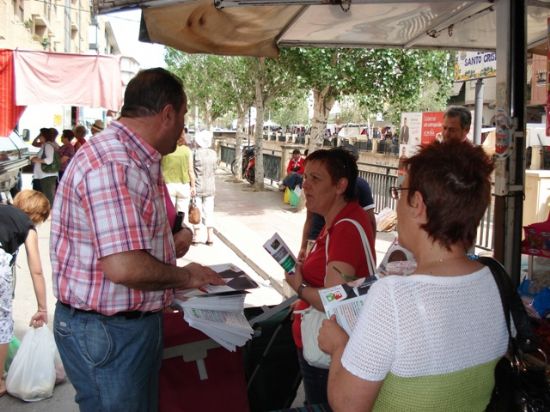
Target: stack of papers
217, 311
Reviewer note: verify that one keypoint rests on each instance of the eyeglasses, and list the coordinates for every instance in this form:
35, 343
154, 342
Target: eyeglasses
394, 191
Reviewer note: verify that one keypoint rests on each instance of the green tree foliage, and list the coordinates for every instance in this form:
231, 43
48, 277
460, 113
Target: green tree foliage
405, 80
197, 72
217, 85
379, 78
273, 82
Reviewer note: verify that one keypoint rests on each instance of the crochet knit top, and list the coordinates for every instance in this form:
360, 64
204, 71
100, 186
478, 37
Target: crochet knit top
434, 340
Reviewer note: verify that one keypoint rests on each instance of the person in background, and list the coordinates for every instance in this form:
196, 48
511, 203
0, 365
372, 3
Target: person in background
415, 346
66, 151
97, 127
314, 222
404, 134
53, 136
38, 140
18, 226
80, 136
45, 182
113, 254
329, 187
177, 169
294, 171
204, 165
456, 123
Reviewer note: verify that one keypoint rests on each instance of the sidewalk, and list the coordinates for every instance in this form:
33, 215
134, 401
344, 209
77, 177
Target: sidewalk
244, 220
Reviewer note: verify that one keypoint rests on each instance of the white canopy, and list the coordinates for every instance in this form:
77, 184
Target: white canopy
260, 27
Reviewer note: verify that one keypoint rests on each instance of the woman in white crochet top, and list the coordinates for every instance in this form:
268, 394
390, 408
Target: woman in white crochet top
428, 341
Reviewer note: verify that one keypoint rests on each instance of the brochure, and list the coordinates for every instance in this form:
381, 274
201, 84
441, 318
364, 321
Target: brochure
217, 311
236, 280
280, 251
346, 301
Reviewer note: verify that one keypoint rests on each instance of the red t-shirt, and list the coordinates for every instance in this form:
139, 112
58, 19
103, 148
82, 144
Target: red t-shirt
345, 245
296, 166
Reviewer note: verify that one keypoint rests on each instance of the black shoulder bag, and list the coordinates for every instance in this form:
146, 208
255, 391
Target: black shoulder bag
520, 385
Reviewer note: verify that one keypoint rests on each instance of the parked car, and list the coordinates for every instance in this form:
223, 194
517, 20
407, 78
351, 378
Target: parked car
14, 156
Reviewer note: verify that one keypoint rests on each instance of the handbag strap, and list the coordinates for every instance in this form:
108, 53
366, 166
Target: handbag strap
512, 305
364, 241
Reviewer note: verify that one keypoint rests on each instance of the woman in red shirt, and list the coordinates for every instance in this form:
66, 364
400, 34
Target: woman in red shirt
329, 186
294, 171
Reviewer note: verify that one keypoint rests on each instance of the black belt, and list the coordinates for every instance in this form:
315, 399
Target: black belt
131, 314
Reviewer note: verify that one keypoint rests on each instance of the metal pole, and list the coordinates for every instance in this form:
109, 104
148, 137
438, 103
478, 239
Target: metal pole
478, 113
510, 168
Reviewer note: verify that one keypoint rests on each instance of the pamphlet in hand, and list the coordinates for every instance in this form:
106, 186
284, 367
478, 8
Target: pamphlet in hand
346, 301
236, 280
280, 251
217, 311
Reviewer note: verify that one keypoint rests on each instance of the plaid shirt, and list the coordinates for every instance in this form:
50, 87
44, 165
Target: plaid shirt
110, 200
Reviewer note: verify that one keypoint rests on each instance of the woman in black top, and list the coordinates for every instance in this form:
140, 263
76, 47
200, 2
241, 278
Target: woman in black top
17, 227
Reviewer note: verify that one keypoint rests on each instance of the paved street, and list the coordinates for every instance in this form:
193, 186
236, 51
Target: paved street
244, 221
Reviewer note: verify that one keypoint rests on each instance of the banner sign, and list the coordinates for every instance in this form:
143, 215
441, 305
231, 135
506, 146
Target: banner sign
475, 65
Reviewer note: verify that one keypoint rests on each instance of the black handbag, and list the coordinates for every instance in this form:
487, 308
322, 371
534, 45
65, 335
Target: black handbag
520, 383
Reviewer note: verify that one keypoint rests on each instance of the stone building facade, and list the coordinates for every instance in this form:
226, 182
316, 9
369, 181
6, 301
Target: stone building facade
67, 26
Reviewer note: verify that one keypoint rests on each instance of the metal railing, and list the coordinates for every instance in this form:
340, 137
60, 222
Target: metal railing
380, 179
227, 155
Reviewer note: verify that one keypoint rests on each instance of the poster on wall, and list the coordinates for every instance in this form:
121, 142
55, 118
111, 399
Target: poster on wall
417, 128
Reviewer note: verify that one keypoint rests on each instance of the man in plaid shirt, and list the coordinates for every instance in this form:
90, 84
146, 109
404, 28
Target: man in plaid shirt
113, 255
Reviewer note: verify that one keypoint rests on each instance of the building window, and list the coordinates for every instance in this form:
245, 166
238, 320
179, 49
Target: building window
19, 8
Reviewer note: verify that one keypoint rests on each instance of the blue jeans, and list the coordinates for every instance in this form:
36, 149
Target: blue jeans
315, 382
292, 180
113, 362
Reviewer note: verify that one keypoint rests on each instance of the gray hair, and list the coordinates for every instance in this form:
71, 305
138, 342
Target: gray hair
462, 113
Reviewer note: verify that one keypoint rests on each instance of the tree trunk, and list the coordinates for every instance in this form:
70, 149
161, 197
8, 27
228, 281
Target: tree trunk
207, 115
322, 104
258, 129
238, 141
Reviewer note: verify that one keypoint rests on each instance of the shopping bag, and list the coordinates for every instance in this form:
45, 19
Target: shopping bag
294, 198
312, 320
194, 212
286, 196
32, 373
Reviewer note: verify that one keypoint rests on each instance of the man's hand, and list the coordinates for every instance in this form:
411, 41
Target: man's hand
182, 241
201, 275
332, 336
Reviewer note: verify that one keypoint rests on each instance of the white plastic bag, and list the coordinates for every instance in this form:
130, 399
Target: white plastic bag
32, 373
312, 319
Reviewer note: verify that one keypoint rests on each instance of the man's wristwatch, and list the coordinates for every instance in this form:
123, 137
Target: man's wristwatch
301, 288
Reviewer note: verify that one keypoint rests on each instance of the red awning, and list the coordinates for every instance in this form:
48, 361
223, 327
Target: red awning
71, 79
33, 77
9, 111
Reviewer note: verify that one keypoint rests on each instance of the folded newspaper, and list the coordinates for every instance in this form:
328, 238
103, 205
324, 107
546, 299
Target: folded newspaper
346, 301
217, 311
280, 251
